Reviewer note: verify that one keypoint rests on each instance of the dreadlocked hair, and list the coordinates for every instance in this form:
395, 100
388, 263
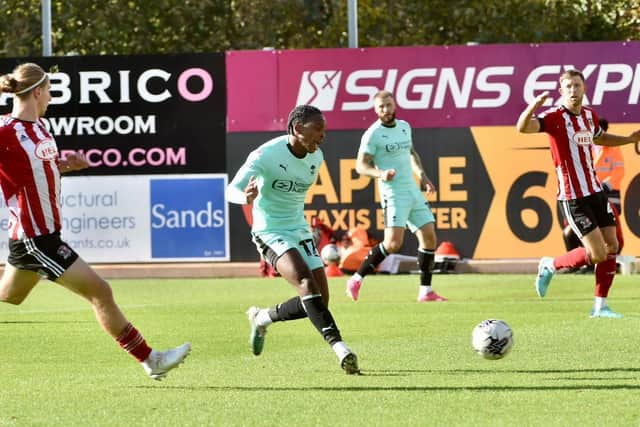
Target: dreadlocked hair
302, 114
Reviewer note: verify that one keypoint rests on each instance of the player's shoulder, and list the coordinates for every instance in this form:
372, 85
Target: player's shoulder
552, 111
272, 147
403, 123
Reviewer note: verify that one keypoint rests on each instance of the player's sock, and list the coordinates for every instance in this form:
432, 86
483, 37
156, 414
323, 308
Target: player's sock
572, 259
605, 273
425, 264
598, 303
263, 318
370, 263
291, 309
321, 318
133, 343
423, 290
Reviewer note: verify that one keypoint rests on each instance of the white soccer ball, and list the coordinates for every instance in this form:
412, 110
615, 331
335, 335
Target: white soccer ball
330, 254
492, 338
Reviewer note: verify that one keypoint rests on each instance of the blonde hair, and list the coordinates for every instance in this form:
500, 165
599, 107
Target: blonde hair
571, 73
23, 79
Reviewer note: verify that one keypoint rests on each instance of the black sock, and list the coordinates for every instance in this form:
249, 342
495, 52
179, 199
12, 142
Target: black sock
321, 318
291, 309
425, 264
375, 257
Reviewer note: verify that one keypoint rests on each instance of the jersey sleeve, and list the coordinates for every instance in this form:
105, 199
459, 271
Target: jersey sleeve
235, 189
367, 145
597, 130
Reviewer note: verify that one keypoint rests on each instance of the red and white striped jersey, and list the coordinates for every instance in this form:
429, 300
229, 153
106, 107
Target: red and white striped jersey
571, 137
29, 177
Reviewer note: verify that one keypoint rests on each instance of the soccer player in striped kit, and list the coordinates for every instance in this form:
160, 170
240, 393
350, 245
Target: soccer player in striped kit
275, 178
572, 129
30, 169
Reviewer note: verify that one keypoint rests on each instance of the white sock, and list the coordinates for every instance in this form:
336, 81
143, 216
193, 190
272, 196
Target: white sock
356, 276
263, 318
599, 303
424, 290
341, 349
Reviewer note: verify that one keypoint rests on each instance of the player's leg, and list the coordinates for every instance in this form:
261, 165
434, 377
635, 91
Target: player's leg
81, 279
395, 215
16, 284
421, 222
426, 251
392, 242
606, 267
20, 273
582, 220
310, 286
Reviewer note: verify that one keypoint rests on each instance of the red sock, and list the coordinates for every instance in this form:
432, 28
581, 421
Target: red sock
605, 273
133, 343
573, 259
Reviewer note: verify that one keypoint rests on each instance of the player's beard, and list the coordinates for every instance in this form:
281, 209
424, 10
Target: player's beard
388, 119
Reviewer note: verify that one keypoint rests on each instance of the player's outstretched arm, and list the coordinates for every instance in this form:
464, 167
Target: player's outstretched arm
611, 140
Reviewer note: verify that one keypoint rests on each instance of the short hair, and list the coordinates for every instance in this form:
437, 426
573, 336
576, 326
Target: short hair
303, 114
381, 94
23, 77
604, 124
571, 73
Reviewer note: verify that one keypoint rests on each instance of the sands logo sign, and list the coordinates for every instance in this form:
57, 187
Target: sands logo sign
46, 149
189, 218
319, 88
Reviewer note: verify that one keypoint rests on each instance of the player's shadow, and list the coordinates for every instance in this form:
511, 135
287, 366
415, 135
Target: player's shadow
492, 388
41, 322
401, 372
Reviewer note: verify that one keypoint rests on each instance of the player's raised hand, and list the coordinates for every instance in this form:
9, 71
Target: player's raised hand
540, 99
251, 190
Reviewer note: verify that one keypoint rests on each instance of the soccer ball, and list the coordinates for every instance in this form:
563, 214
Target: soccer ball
330, 254
492, 338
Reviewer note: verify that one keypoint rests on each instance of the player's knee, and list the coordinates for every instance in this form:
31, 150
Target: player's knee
613, 248
305, 287
598, 257
392, 246
102, 294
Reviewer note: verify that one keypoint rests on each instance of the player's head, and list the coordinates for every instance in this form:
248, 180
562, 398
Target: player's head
306, 125
604, 124
385, 107
29, 83
572, 88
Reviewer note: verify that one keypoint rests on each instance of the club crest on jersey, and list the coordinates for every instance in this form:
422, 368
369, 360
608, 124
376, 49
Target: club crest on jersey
46, 149
64, 251
583, 138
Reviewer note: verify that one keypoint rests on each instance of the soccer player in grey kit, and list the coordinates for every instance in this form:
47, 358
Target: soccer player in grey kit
275, 178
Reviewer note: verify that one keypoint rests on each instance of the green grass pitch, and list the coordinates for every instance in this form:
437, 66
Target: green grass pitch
57, 367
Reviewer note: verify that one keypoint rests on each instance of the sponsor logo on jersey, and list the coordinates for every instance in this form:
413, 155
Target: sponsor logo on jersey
583, 138
46, 149
287, 186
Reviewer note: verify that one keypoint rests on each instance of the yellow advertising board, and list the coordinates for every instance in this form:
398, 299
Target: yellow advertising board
522, 220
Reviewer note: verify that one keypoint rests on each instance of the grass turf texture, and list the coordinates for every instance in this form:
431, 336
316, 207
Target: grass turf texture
59, 369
